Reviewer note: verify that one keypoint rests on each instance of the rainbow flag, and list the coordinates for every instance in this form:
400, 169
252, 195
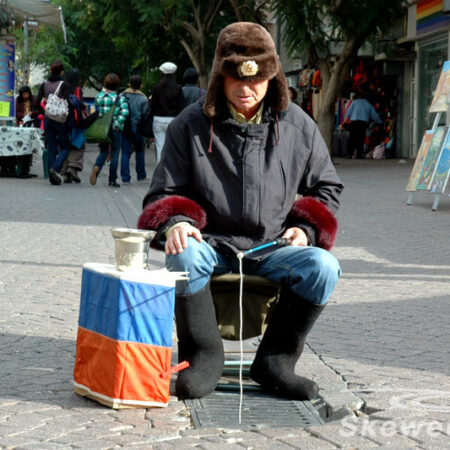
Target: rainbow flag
430, 16
124, 341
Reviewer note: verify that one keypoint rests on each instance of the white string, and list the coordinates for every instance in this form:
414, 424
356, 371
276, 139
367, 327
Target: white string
241, 324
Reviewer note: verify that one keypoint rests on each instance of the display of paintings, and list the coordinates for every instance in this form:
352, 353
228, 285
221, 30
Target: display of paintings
441, 97
430, 162
442, 171
420, 159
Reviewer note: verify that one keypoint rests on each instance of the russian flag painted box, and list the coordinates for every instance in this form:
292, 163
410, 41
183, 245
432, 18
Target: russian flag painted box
124, 341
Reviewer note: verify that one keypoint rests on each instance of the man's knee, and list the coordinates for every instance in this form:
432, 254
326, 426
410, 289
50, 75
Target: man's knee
196, 254
317, 276
325, 265
198, 259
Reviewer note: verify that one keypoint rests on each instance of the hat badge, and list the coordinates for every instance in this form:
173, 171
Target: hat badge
249, 68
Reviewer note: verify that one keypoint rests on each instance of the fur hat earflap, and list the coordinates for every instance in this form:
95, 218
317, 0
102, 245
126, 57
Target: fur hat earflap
246, 51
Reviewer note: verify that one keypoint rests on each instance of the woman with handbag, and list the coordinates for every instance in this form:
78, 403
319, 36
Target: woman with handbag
56, 93
106, 99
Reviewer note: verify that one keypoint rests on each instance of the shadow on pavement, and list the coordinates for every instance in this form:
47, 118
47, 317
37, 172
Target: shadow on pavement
409, 333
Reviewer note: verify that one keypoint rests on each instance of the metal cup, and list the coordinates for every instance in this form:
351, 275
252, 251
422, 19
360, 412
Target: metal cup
131, 247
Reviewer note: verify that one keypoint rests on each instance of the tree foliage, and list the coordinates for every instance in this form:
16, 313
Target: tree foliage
136, 36
310, 27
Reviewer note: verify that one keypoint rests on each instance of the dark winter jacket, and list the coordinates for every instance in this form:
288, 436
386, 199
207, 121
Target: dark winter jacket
238, 182
164, 106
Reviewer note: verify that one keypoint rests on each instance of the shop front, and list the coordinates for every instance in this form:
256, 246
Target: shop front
432, 46
401, 80
378, 83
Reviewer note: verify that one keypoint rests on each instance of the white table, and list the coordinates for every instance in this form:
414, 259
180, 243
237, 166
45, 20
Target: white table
18, 141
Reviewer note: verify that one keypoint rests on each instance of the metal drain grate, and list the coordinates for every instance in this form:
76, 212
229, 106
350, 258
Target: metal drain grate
259, 410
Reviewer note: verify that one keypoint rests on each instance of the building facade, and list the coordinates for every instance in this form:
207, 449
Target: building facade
410, 59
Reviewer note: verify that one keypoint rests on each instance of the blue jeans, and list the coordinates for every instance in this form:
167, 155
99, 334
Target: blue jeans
138, 142
309, 272
58, 143
116, 137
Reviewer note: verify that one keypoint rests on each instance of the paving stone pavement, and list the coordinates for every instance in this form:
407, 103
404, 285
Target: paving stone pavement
380, 351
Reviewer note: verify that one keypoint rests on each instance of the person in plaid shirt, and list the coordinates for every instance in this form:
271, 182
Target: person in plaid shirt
104, 102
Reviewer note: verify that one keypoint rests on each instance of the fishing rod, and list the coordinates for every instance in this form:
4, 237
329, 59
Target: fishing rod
279, 241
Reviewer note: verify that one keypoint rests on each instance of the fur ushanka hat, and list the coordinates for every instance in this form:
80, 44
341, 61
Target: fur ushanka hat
245, 50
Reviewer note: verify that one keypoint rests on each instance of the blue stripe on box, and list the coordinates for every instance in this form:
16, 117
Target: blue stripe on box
127, 310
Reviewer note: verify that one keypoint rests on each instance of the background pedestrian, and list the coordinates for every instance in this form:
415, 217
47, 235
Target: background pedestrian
167, 102
26, 107
56, 133
106, 100
137, 104
358, 116
74, 161
191, 91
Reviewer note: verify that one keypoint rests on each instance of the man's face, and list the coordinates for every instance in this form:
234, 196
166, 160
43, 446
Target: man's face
245, 95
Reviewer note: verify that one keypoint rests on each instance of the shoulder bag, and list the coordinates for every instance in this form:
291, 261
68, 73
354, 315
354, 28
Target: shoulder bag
57, 108
99, 131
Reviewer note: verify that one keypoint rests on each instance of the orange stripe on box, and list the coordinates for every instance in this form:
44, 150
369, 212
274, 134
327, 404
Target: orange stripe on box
122, 370
427, 4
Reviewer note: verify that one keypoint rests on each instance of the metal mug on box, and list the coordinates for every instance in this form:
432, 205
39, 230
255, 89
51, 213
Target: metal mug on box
131, 247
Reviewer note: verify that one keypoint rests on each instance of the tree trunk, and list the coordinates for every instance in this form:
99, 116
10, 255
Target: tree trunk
197, 57
333, 79
198, 30
237, 10
203, 80
326, 125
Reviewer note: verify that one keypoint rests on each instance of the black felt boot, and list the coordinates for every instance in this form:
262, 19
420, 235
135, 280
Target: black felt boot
199, 343
281, 347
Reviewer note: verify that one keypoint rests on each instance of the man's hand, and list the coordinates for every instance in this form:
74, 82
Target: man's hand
297, 236
177, 238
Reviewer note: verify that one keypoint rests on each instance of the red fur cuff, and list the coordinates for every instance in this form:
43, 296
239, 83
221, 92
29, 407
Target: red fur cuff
318, 215
159, 212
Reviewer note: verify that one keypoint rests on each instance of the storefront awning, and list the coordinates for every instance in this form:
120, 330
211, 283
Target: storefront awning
40, 11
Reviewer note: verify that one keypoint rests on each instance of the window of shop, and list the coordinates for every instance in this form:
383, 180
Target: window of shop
431, 59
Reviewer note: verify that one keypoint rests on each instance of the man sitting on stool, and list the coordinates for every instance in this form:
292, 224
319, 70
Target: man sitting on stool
230, 170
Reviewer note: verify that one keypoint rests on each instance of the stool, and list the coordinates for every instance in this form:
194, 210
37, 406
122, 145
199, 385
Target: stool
260, 295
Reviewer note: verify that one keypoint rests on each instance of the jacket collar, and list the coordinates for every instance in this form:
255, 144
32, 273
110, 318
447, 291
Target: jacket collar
133, 91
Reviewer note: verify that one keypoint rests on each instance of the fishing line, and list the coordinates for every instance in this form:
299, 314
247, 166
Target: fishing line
240, 256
